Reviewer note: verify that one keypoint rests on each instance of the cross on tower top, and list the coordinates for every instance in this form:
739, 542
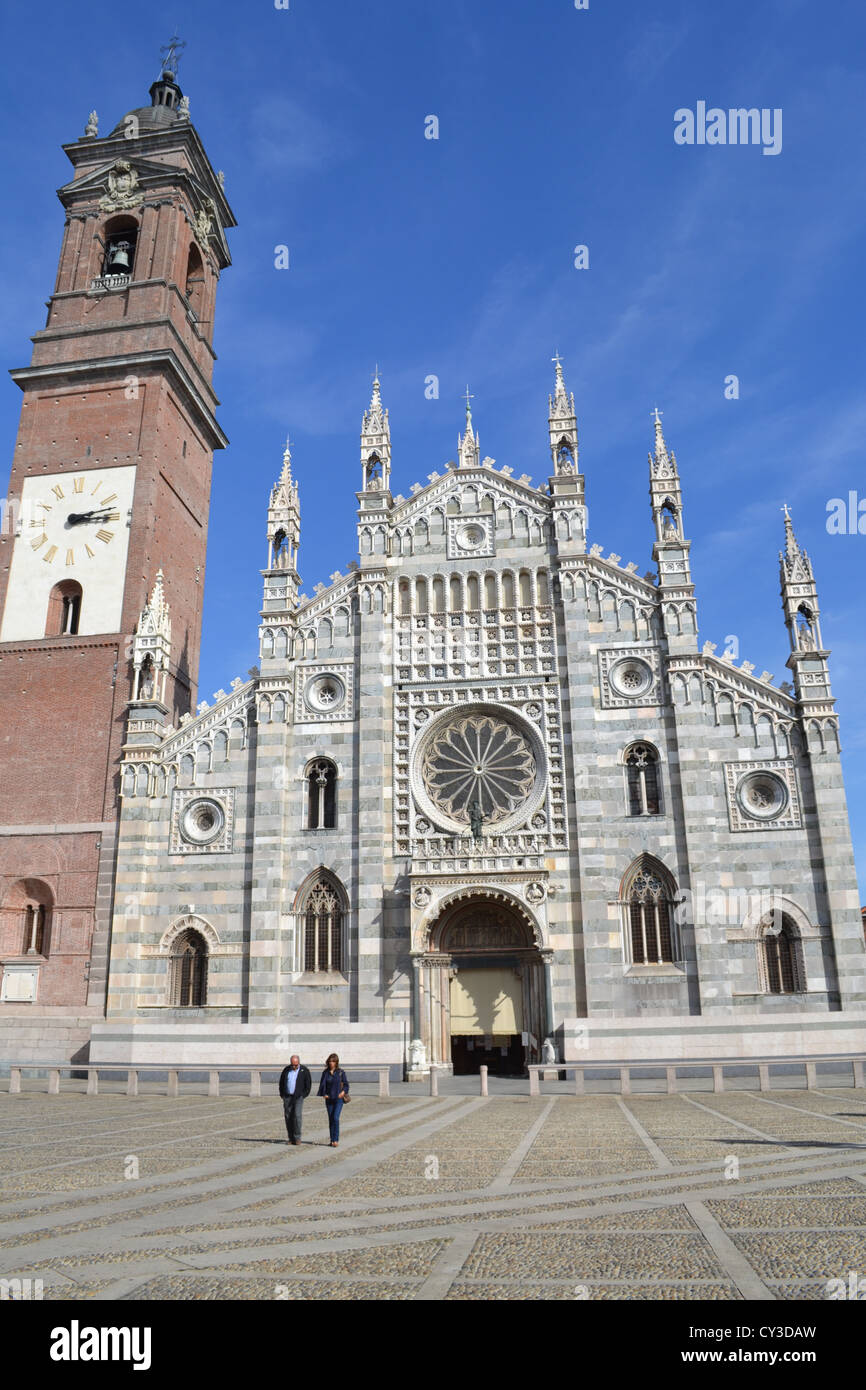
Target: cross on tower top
170, 54
657, 414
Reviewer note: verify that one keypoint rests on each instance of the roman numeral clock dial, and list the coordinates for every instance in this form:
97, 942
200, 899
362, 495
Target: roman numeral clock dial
75, 528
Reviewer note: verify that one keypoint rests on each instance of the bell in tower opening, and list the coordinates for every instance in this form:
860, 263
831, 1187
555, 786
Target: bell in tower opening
119, 262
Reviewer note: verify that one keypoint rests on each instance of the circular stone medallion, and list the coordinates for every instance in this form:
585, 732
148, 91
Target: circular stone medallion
762, 795
202, 821
471, 536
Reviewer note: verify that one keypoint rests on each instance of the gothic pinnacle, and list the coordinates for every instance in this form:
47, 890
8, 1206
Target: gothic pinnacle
561, 402
661, 450
286, 475
792, 549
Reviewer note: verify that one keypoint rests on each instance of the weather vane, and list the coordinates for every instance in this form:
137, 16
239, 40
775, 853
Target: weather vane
171, 54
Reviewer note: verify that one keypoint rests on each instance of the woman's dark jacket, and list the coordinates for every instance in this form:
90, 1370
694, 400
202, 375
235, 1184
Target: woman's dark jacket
332, 1083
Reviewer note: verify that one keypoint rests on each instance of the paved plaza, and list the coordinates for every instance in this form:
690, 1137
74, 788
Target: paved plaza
728, 1196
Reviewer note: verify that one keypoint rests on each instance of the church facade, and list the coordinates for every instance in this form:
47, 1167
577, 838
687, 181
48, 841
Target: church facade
485, 789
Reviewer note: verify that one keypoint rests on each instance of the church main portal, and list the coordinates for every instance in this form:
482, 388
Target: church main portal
483, 989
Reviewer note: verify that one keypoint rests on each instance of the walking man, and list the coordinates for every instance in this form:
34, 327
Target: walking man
295, 1083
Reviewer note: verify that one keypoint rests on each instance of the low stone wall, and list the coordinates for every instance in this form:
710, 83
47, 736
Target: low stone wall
256, 1044
31, 1037
743, 1037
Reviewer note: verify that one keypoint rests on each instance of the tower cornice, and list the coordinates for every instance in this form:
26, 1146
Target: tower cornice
103, 150
159, 360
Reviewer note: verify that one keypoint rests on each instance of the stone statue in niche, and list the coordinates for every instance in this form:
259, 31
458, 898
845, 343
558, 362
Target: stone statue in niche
417, 1055
565, 460
145, 680
548, 1051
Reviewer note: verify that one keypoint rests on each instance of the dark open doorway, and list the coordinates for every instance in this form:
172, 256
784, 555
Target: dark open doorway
503, 1056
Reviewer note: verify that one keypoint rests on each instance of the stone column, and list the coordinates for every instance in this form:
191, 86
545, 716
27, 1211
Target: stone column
549, 1019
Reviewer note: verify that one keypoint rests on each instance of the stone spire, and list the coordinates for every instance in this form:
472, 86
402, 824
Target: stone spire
468, 443
802, 619
795, 562
562, 423
665, 489
282, 581
671, 549
284, 518
376, 444
151, 645
662, 464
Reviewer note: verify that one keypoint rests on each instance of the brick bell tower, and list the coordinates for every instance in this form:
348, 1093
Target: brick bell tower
110, 485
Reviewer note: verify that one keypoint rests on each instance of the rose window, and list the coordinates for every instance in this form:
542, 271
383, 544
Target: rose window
630, 677
324, 694
478, 758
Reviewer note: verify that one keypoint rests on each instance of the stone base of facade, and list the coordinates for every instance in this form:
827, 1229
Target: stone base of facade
742, 1037
32, 1033
224, 1043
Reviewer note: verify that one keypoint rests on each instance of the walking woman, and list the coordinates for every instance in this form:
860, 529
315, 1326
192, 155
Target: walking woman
334, 1086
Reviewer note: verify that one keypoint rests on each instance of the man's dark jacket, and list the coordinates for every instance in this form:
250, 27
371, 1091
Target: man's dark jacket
302, 1085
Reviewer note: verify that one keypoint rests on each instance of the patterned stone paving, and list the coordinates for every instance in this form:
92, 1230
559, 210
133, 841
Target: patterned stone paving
694, 1196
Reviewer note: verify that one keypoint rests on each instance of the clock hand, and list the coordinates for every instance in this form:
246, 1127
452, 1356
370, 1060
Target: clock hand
74, 518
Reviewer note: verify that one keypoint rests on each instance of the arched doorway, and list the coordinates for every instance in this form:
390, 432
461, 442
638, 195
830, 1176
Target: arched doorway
484, 988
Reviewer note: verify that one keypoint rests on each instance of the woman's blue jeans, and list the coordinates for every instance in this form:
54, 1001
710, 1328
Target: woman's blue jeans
333, 1108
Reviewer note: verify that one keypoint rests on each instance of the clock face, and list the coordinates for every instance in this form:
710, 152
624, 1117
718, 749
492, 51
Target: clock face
74, 526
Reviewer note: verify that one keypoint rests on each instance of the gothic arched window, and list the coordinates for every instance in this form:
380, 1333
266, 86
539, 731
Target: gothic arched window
322, 916
25, 917
783, 972
642, 773
321, 778
648, 901
35, 937
64, 609
188, 971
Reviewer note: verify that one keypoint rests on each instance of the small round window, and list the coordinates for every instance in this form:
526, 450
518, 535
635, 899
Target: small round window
762, 795
202, 821
630, 677
325, 694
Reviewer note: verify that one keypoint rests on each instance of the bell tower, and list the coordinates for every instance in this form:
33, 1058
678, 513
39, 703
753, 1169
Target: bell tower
109, 498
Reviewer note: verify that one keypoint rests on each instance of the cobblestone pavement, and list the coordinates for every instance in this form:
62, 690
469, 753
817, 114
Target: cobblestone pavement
737, 1195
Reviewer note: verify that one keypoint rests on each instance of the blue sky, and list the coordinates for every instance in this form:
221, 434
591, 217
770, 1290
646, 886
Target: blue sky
455, 257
